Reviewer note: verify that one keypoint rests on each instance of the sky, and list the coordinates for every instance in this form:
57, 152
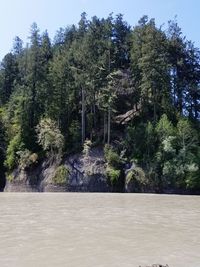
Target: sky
18, 15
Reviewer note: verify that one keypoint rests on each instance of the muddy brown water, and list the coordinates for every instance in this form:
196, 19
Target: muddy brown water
98, 230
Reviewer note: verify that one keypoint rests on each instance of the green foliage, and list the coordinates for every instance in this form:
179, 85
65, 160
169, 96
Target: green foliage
112, 158
164, 128
86, 147
74, 136
187, 135
136, 179
50, 137
61, 176
14, 147
193, 177
137, 174
113, 175
114, 169
27, 158
133, 143
178, 153
9, 72
2, 145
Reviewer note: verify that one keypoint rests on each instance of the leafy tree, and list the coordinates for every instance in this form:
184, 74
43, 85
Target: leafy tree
50, 137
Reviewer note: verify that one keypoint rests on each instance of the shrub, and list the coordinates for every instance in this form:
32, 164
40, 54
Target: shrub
136, 180
113, 175
112, 158
12, 157
27, 158
137, 174
61, 176
86, 147
193, 179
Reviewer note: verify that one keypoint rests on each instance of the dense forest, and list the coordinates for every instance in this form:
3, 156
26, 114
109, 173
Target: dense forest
133, 90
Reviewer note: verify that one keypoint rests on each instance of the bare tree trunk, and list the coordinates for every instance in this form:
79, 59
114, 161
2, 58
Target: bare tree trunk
83, 115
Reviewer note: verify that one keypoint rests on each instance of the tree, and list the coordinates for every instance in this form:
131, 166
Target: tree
50, 138
150, 68
9, 74
17, 46
121, 39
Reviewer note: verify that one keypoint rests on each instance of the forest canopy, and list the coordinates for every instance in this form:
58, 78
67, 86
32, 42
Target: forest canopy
136, 89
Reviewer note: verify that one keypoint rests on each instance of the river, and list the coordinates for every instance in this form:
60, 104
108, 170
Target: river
98, 230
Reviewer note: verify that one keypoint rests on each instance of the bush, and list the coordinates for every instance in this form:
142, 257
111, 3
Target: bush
193, 179
27, 158
137, 174
113, 175
12, 157
136, 180
112, 158
86, 147
61, 176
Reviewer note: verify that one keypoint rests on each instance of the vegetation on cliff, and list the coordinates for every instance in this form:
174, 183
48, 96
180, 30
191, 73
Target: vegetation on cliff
135, 90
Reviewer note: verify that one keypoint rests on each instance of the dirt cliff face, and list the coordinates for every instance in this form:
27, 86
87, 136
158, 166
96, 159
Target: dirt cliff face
84, 174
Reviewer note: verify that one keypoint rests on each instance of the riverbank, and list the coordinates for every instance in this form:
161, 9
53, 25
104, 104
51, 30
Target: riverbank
83, 173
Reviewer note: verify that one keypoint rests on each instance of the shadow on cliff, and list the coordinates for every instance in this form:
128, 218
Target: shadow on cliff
2, 181
2, 171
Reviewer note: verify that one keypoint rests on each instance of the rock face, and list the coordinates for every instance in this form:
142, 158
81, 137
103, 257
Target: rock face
86, 174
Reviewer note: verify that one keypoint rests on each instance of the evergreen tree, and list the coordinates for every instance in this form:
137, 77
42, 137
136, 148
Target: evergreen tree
9, 75
150, 68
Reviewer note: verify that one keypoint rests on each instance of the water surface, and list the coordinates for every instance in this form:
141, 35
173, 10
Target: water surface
98, 230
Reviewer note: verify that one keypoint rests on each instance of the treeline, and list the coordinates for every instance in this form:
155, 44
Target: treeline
135, 89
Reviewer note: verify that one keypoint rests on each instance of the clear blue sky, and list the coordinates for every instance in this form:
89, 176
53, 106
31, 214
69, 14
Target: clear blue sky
17, 15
